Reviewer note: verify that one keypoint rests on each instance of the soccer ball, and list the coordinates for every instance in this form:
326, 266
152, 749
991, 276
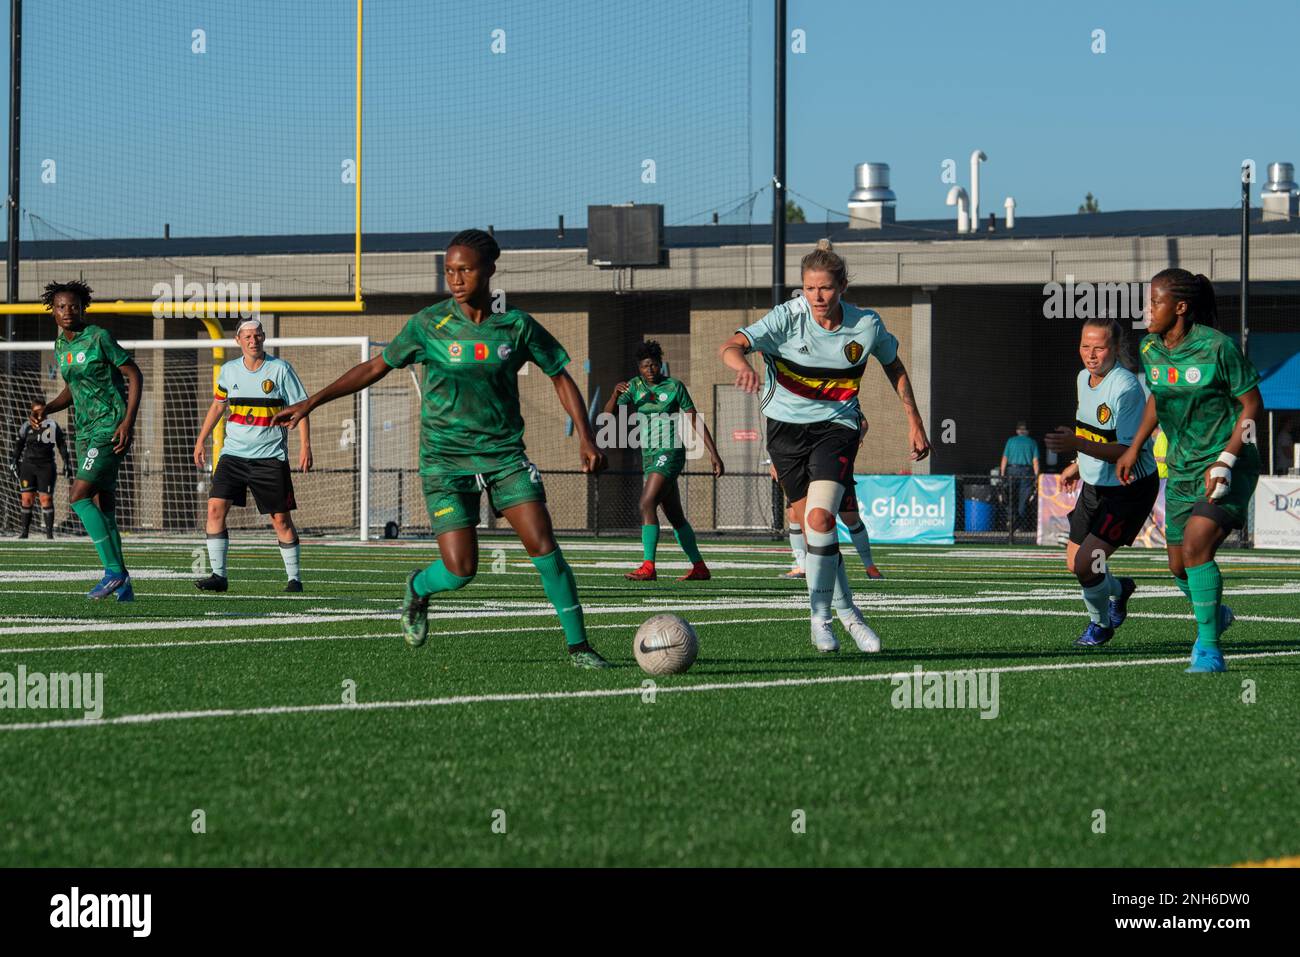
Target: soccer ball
665, 645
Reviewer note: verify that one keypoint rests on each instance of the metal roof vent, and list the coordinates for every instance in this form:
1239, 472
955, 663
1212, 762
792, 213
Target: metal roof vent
871, 204
1280, 194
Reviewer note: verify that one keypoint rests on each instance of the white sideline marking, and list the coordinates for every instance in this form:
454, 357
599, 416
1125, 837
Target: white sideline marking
158, 716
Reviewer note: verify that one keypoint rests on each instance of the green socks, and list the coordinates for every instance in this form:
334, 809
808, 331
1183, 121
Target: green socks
649, 542
686, 539
1183, 587
103, 534
1206, 586
436, 578
562, 592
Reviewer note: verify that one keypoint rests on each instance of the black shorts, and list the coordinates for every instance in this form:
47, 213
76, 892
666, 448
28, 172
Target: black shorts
268, 478
815, 452
1113, 513
36, 478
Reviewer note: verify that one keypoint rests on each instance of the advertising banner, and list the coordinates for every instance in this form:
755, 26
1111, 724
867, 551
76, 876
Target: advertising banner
909, 509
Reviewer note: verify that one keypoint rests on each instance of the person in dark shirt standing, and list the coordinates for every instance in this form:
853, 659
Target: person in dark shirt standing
33, 465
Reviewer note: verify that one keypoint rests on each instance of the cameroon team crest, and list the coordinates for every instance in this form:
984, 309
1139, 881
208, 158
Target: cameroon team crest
1103, 414
853, 351
267, 386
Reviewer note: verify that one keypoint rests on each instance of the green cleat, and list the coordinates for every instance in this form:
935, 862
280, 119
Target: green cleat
415, 614
589, 659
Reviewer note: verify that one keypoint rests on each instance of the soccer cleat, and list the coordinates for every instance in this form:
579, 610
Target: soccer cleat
589, 659
110, 583
125, 592
866, 639
415, 614
213, 583
294, 585
1094, 636
1119, 606
699, 573
796, 573
646, 573
1206, 661
823, 638
874, 573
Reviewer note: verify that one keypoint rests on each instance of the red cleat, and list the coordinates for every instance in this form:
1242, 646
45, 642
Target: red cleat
646, 573
699, 573
874, 573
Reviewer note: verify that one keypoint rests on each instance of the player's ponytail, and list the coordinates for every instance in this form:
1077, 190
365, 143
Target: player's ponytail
825, 259
1194, 289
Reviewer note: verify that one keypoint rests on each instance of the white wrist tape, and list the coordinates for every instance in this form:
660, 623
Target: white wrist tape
1220, 490
1228, 459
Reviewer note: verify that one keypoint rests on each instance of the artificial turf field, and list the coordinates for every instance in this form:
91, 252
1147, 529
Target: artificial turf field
234, 704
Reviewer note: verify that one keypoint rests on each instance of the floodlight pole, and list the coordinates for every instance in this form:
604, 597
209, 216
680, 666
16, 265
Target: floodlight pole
778, 165
15, 143
1245, 252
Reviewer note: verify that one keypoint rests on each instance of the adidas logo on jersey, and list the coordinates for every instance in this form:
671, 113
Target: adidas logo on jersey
803, 351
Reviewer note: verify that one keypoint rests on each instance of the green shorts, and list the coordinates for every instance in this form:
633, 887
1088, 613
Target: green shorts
1185, 497
97, 464
667, 462
453, 500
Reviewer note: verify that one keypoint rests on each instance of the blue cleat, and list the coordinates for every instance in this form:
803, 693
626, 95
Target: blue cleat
125, 592
1119, 606
1094, 636
1206, 661
110, 583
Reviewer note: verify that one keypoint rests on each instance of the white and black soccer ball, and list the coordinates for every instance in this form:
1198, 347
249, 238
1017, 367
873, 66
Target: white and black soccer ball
665, 645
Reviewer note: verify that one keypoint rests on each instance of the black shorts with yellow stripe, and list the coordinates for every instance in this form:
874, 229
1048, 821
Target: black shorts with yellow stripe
453, 500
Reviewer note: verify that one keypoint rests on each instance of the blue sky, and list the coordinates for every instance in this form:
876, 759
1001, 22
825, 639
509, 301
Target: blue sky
249, 137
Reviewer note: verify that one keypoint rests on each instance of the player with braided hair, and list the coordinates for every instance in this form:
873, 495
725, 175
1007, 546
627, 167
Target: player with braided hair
1205, 396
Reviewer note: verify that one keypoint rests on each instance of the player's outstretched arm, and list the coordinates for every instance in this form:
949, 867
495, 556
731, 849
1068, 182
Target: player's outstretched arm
305, 461
359, 377
732, 352
61, 443
59, 402
903, 386
215, 410
593, 460
702, 430
134, 387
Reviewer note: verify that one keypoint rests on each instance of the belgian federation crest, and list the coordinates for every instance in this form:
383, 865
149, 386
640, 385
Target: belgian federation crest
267, 386
1103, 414
853, 351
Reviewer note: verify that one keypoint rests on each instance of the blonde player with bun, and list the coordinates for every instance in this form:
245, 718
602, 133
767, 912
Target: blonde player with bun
815, 350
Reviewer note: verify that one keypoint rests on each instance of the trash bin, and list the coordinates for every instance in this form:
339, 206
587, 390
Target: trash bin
979, 508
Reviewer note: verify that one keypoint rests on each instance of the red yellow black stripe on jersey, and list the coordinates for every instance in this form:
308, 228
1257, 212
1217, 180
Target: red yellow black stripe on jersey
810, 382
221, 394
1094, 433
253, 414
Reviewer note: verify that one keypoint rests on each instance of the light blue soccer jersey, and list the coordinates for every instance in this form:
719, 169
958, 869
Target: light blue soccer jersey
813, 373
255, 396
1111, 412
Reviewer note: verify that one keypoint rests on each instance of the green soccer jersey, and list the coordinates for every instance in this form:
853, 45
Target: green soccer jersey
469, 414
1196, 387
89, 364
656, 408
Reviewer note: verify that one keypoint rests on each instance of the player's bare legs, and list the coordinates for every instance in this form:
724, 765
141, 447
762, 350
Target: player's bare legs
287, 538
1105, 598
218, 543
651, 495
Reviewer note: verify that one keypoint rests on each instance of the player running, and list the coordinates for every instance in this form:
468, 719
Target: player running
815, 350
659, 401
255, 454
1108, 513
851, 518
103, 386
33, 465
472, 434
1205, 395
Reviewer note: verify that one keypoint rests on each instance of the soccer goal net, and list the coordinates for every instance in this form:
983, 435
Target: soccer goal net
361, 478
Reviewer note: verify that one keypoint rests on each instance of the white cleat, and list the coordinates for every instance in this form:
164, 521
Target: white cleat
853, 622
823, 637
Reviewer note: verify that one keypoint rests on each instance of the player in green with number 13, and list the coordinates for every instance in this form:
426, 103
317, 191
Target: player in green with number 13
472, 434
103, 386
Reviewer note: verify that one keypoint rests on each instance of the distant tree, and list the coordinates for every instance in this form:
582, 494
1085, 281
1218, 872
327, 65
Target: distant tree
794, 212
1090, 205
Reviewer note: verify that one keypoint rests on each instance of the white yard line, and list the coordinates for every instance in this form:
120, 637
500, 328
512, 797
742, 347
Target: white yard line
155, 717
